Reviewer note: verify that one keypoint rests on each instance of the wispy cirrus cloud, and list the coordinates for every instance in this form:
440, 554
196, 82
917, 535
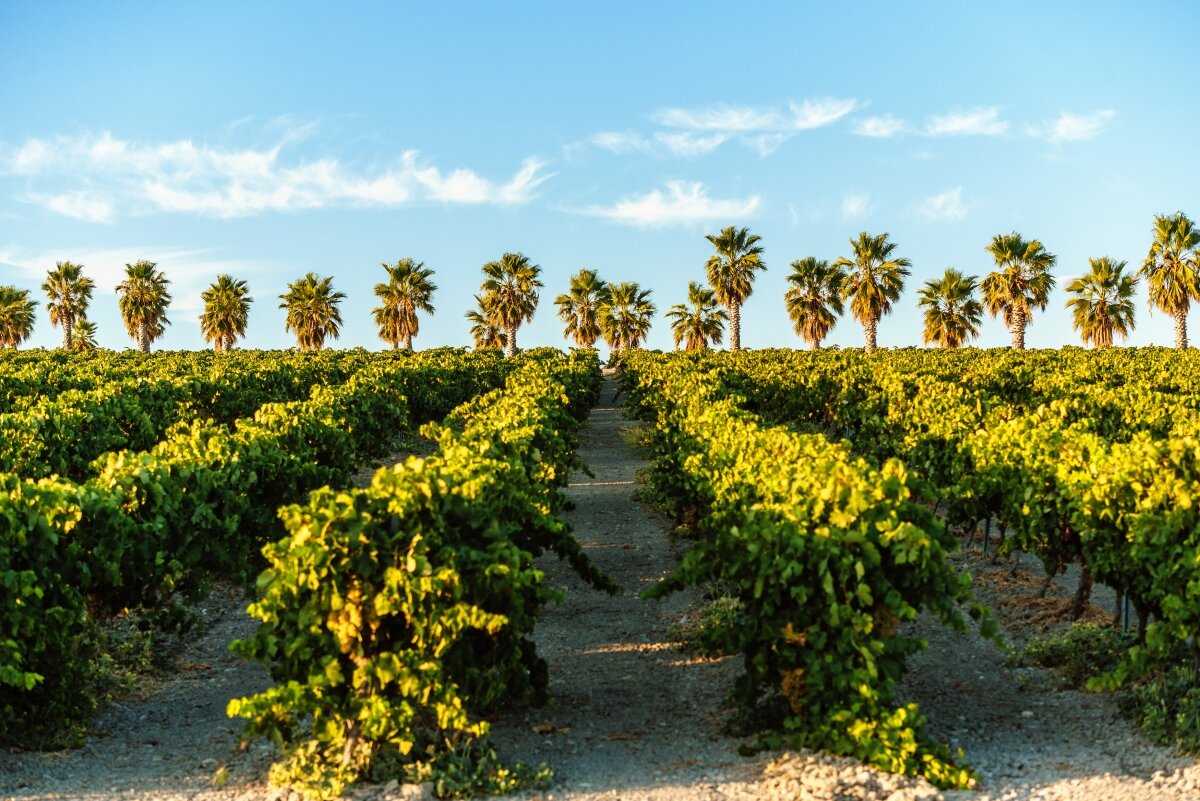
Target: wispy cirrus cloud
186, 177
984, 121
682, 202
883, 126
675, 143
690, 132
801, 116
855, 205
1071, 127
78, 205
621, 142
688, 143
945, 206
190, 270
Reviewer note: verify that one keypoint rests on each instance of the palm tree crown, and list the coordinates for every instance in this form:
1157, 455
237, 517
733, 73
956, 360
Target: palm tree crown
699, 321
312, 310
626, 314
226, 312
731, 273
85, 336
814, 299
510, 294
69, 294
16, 316
1172, 269
579, 308
1020, 284
409, 289
873, 281
484, 331
143, 303
952, 314
1102, 302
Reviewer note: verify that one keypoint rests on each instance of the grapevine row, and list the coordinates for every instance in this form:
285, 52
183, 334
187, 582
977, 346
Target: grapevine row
825, 553
150, 525
1089, 458
393, 615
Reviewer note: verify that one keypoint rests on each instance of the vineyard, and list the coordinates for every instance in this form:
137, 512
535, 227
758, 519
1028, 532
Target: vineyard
133, 483
825, 492
826, 486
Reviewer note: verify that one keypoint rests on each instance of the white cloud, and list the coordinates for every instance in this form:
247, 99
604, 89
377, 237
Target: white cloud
719, 118
184, 177
464, 186
818, 113
766, 144
855, 205
190, 270
972, 122
945, 206
697, 131
746, 119
686, 143
881, 127
621, 142
76, 205
1074, 127
683, 202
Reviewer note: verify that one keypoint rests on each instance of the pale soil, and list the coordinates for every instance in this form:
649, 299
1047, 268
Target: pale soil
631, 717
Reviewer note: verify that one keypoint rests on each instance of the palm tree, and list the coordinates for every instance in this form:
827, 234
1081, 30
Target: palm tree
486, 333
579, 308
814, 300
85, 336
873, 282
1171, 269
731, 273
1103, 302
226, 311
1021, 284
408, 290
510, 294
16, 316
699, 321
312, 310
952, 314
143, 303
625, 315
69, 294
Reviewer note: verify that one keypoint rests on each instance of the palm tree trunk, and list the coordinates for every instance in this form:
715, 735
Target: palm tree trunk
869, 329
68, 331
143, 337
814, 345
1018, 331
1181, 342
408, 341
735, 326
510, 341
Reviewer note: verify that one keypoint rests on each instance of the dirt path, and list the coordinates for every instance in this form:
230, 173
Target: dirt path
629, 714
169, 743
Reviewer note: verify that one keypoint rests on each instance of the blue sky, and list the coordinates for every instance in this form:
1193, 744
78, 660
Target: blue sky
271, 139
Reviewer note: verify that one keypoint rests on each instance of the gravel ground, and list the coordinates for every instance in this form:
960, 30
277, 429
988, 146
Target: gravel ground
629, 713
630, 717
171, 742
